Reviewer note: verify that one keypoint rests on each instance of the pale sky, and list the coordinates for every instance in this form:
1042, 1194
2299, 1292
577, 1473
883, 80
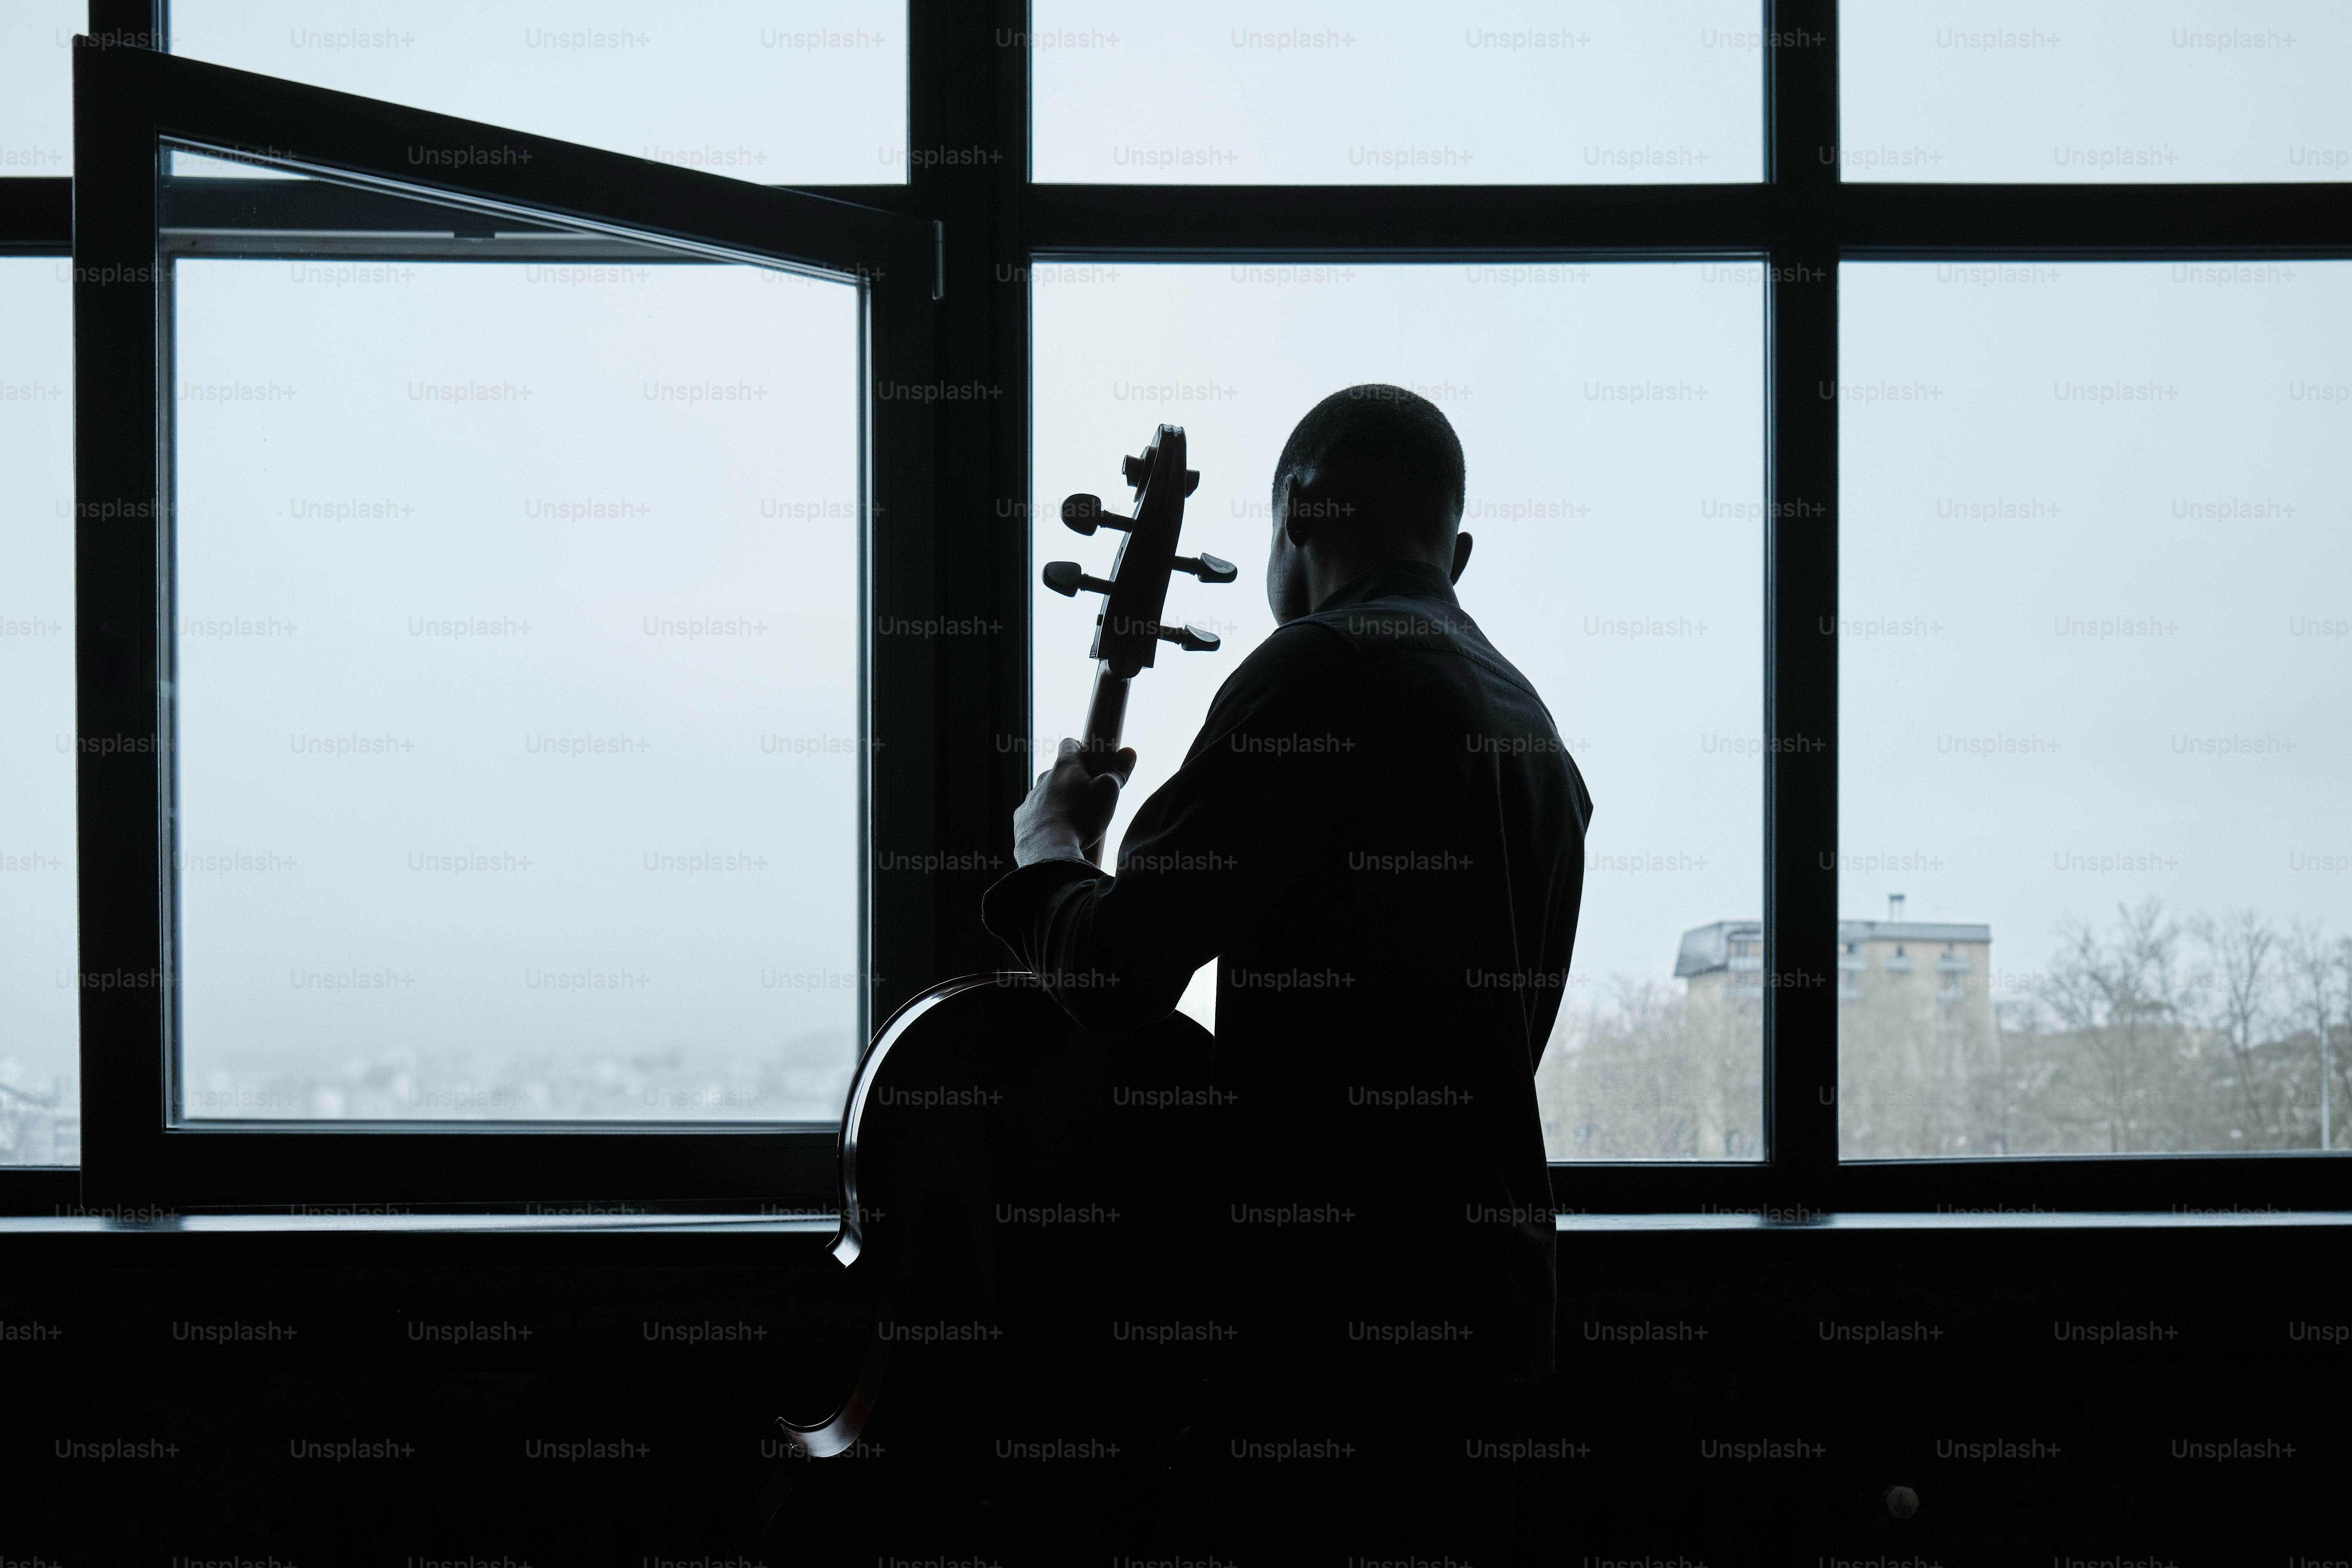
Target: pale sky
2094, 559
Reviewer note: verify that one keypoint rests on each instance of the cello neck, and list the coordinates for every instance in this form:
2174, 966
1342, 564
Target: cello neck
1105, 717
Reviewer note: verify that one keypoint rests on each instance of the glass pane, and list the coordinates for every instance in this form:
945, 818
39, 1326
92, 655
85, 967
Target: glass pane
519, 713
2105, 92
40, 1082
814, 94
1664, 92
1614, 423
2096, 652
36, 85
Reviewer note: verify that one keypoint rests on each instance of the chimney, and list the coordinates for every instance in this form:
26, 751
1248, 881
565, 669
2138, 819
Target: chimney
1893, 906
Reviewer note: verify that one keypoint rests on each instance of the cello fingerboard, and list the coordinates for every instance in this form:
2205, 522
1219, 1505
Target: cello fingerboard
1105, 717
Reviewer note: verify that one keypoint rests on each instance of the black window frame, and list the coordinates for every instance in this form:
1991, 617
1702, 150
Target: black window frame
967, 88
131, 104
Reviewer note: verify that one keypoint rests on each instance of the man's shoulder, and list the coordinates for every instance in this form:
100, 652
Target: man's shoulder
1353, 653
1295, 651
1394, 622
1337, 650
1409, 624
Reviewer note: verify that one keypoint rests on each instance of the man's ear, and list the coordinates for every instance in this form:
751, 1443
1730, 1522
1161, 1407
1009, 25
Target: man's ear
1298, 514
1461, 556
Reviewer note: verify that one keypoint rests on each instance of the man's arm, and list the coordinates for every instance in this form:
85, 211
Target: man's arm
1069, 807
1201, 860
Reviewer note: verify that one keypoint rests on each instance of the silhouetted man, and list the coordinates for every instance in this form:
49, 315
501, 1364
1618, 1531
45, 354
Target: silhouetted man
1379, 838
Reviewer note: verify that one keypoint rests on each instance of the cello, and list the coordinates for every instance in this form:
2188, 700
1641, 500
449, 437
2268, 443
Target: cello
1009, 1185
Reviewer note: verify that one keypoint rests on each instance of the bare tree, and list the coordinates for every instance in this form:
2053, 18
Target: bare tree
1656, 1072
2121, 999
2336, 1066
2245, 953
2315, 977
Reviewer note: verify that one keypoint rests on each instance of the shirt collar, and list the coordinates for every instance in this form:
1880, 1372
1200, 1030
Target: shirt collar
1392, 580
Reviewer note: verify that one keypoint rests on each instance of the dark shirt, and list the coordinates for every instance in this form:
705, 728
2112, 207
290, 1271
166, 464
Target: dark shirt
1379, 837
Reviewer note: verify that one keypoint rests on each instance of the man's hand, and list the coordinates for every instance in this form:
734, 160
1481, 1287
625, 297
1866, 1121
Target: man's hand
1069, 808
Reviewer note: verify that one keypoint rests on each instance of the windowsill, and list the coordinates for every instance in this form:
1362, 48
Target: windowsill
425, 1223
2049, 1219
756, 1225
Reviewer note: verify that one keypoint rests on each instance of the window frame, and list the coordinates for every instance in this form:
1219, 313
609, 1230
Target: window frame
994, 223
138, 1149
1803, 220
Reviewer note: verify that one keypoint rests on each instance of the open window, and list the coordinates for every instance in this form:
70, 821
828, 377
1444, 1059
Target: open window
483, 740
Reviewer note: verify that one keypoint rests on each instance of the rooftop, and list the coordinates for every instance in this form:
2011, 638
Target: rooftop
1709, 947
1911, 930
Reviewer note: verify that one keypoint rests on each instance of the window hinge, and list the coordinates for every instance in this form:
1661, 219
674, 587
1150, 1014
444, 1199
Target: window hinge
938, 259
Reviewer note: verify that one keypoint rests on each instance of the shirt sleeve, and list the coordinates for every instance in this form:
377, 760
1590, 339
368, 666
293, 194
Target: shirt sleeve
1199, 862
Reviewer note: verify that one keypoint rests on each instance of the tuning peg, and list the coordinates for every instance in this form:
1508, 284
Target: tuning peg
1138, 469
1084, 514
1190, 638
1208, 568
1067, 577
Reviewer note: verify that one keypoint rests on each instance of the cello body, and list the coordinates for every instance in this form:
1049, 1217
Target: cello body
1027, 1200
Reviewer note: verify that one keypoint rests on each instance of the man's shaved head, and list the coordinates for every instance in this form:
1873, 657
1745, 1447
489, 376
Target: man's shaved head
1373, 474
1379, 438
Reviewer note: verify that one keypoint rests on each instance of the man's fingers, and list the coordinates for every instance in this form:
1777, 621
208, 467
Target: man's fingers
1104, 787
1123, 764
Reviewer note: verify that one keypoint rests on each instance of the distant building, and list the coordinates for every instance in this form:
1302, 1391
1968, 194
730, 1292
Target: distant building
1928, 961
39, 1128
1728, 954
